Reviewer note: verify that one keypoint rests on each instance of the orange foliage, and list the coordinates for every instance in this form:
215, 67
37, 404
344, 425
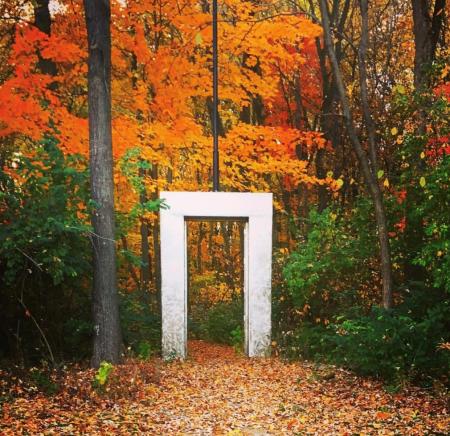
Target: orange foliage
161, 80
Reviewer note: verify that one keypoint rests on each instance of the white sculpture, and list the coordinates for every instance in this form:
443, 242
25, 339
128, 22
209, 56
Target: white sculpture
257, 209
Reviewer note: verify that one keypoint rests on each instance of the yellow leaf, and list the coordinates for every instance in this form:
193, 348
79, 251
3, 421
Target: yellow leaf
339, 183
198, 38
422, 155
400, 89
394, 131
386, 183
422, 182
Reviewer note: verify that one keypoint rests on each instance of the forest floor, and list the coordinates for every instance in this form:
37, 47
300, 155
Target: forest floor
216, 391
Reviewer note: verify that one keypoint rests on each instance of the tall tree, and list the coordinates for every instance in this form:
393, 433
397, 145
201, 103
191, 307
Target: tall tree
330, 120
107, 332
366, 161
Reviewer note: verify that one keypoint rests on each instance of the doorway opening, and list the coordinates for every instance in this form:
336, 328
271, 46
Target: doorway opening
215, 280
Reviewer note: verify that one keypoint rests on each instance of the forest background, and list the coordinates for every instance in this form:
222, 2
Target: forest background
338, 109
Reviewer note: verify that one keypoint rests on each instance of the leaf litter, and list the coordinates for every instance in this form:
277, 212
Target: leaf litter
216, 391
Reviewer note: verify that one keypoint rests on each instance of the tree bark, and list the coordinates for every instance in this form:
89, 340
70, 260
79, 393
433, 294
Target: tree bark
156, 244
367, 115
427, 30
43, 21
145, 246
42, 18
105, 309
330, 121
364, 163
199, 248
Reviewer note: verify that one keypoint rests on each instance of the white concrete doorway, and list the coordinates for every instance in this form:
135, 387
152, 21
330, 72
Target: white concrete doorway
256, 210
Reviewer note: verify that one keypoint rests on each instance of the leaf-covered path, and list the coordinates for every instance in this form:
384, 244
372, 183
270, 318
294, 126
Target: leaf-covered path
217, 392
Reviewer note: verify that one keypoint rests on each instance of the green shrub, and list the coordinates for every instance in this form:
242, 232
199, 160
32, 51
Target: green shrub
43, 381
332, 266
144, 350
77, 331
45, 252
433, 253
333, 277
222, 320
308, 341
141, 327
45, 218
237, 339
393, 345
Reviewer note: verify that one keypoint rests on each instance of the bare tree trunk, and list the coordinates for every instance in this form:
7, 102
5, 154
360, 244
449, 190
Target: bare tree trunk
364, 163
211, 246
329, 120
145, 274
362, 54
156, 246
145, 247
107, 333
42, 18
242, 254
427, 30
199, 248
43, 21
229, 265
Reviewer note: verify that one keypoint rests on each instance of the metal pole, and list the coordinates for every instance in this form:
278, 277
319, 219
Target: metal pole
215, 115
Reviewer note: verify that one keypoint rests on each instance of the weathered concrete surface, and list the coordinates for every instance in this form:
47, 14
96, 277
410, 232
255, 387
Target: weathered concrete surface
257, 209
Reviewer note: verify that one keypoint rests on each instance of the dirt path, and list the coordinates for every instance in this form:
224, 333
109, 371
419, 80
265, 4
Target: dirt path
217, 392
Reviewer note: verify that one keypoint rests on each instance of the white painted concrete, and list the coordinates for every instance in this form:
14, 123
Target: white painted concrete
257, 209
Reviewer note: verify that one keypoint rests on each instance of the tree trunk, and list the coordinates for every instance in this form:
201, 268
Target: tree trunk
156, 244
107, 333
427, 29
42, 18
145, 247
43, 21
199, 248
364, 163
330, 121
367, 115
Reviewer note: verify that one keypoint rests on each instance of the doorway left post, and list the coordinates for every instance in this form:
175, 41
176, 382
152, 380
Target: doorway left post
105, 304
